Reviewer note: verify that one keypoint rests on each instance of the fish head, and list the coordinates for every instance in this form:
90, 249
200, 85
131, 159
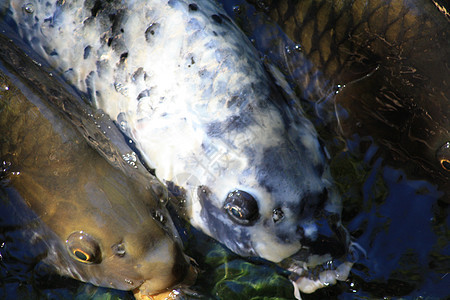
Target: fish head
275, 199
274, 194
116, 232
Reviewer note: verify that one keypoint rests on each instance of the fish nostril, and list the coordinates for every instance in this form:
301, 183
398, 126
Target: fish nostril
119, 249
277, 215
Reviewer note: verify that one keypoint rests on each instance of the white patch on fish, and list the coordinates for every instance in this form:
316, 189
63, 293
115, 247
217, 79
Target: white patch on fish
189, 88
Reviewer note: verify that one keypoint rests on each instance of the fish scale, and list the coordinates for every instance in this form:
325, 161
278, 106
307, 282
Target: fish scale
348, 27
389, 63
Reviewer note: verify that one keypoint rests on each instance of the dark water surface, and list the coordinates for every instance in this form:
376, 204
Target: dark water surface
392, 214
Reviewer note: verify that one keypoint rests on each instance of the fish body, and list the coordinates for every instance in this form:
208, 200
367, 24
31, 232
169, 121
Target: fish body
189, 88
391, 62
101, 223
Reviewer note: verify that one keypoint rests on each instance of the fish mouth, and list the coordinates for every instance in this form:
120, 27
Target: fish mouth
187, 277
309, 279
320, 270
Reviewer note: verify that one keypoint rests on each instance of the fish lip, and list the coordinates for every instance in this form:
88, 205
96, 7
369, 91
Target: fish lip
308, 281
309, 278
186, 280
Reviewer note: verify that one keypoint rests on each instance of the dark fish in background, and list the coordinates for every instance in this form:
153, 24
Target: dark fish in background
389, 63
103, 221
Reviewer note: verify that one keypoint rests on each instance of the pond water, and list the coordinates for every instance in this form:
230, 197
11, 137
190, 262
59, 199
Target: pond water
392, 214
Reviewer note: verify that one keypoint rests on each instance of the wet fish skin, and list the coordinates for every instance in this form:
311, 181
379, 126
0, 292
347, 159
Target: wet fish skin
393, 59
340, 37
76, 192
186, 84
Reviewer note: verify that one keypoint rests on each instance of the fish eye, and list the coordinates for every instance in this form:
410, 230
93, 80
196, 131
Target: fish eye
241, 207
443, 156
83, 247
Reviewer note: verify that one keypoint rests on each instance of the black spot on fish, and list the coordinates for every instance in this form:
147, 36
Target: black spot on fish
144, 93
139, 73
235, 100
68, 73
193, 7
49, 20
50, 51
90, 85
114, 18
235, 123
110, 41
204, 73
123, 57
98, 5
217, 18
192, 62
269, 172
87, 52
151, 31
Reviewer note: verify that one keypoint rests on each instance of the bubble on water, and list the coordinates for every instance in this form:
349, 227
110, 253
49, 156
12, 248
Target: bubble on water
130, 158
338, 88
287, 49
159, 216
5, 166
28, 8
1, 246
